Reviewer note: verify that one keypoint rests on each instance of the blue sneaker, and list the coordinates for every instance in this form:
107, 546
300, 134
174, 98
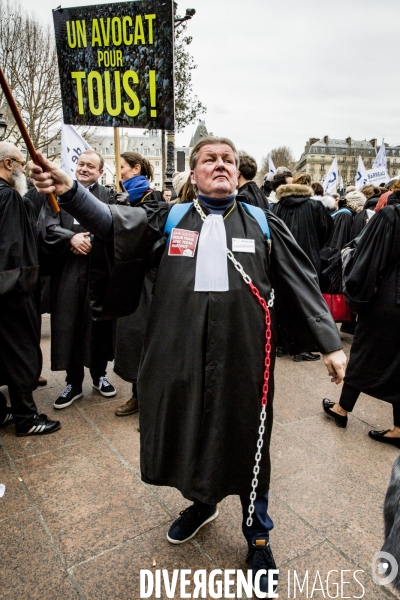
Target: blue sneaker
260, 556
191, 519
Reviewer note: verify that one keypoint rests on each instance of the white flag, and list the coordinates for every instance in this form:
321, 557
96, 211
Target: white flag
361, 177
72, 146
271, 166
380, 160
332, 178
341, 186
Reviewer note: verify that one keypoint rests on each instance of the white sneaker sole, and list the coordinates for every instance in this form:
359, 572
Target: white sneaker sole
106, 394
214, 516
66, 404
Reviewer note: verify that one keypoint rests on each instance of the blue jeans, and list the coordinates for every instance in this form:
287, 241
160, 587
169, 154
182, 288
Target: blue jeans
262, 523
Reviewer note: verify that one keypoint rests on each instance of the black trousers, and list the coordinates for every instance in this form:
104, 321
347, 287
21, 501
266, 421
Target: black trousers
20, 353
349, 397
100, 341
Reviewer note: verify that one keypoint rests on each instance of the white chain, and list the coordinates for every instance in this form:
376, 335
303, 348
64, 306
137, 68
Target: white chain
263, 414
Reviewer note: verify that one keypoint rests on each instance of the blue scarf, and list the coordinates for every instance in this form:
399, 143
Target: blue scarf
136, 188
216, 206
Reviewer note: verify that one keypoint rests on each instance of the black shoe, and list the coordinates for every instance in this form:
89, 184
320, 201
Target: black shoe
260, 556
191, 520
7, 418
40, 425
68, 396
340, 420
281, 351
104, 387
379, 436
306, 356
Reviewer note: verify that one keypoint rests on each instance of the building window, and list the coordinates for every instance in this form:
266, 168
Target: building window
158, 151
322, 168
157, 163
104, 151
146, 151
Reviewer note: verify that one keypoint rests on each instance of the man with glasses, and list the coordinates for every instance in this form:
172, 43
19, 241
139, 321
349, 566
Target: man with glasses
20, 354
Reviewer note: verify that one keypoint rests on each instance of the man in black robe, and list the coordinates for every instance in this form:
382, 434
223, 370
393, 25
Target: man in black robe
20, 354
248, 190
77, 340
203, 365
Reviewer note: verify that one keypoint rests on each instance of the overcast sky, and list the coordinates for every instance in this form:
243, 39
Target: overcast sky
276, 72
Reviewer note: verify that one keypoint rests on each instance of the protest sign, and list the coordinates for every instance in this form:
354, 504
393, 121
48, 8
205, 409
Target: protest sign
116, 64
377, 176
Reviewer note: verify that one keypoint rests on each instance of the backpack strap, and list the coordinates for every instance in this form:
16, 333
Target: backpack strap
260, 217
341, 210
175, 215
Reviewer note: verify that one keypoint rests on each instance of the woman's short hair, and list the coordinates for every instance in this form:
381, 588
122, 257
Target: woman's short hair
134, 158
317, 189
371, 191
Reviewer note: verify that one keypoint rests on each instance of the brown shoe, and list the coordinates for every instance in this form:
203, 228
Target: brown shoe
42, 380
129, 408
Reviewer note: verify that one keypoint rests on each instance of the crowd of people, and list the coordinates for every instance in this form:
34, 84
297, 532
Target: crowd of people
194, 320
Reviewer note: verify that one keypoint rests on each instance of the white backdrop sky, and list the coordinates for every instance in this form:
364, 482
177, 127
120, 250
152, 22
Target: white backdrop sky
275, 72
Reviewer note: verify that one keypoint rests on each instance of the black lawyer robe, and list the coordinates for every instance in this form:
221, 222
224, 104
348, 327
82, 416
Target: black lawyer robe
201, 376
252, 194
308, 220
373, 280
20, 354
71, 319
341, 235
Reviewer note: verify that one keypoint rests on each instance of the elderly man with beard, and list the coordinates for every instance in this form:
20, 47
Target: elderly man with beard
20, 354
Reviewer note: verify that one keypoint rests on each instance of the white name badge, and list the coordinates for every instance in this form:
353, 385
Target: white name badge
239, 245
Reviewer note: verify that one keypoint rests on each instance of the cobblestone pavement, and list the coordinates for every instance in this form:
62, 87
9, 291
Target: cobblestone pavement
77, 522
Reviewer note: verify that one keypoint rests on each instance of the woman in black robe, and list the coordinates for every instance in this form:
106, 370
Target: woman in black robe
372, 280
343, 220
137, 173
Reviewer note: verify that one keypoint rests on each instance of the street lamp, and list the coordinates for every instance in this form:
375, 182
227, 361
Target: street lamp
3, 127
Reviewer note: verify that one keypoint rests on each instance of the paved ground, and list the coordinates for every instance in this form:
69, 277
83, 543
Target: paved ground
77, 522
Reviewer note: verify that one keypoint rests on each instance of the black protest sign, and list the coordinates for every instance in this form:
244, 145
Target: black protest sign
116, 64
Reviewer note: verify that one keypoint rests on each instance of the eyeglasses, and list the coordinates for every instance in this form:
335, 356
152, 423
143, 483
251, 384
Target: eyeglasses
22, 163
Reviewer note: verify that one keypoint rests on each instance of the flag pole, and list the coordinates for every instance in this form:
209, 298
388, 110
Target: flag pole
24, 132
117, 152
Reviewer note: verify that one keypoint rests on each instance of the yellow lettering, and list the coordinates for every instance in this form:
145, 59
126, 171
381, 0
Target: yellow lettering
139, 31
79, 75
92, 77
127, 39
96, 36
100, 57
106, 35
131, 111
118, 58
117, 89
71, 34
116, 31
81, 33
150, 19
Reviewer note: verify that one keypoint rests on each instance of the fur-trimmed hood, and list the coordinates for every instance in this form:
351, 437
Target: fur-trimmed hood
327, 201
293, 189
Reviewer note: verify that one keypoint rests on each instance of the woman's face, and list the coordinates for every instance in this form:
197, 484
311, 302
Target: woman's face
127, 172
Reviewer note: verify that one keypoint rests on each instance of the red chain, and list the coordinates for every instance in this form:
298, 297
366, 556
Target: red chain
267, 361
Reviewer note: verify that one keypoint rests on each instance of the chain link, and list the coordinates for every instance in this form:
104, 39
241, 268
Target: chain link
267, 363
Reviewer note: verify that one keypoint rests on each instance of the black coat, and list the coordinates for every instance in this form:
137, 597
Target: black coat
20, 354
252, 194
361, 218
307, 219
341, 235
201, 376
71, 319
373, 280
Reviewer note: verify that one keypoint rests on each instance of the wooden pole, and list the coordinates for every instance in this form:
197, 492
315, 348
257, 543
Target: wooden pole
117, 151
24, 132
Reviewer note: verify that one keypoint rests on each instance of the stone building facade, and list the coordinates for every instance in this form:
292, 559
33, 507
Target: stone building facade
319, 153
